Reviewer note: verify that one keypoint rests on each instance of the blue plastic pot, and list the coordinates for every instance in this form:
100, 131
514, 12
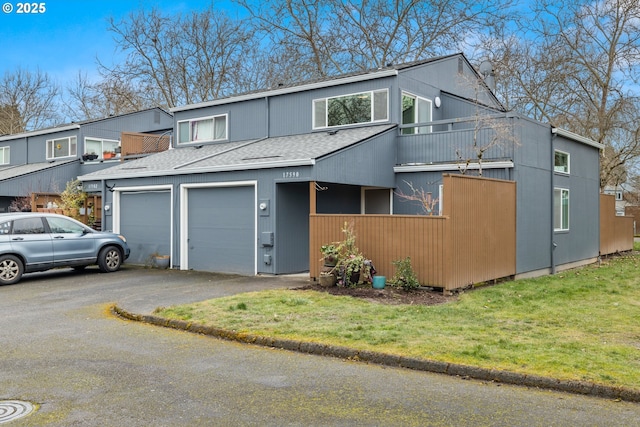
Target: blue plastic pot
379, 282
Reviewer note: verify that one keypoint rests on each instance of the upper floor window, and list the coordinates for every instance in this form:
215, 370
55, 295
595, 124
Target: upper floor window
61, 147
364, 107
203, 129
561, 162
100, 148
4, 156
415, 110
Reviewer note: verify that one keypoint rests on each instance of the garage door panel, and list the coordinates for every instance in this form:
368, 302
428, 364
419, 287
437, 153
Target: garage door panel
221, 229
145, 220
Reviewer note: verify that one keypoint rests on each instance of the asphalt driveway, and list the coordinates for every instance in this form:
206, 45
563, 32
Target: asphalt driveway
62, 350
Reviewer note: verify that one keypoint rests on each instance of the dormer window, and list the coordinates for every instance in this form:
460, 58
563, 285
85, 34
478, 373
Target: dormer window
61, 147
363, 107
203, 129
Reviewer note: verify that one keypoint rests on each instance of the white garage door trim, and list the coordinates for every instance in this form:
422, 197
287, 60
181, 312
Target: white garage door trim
117, 192
184, 222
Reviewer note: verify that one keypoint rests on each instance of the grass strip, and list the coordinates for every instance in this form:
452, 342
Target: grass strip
582, 324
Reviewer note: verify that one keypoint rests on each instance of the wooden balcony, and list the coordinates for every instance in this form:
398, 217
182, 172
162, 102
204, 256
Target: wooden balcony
135, 145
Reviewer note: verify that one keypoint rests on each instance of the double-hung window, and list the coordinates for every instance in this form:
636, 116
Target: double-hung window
415, 110
560, 209
4, 156
203, 129
363, 107
62, 147
561, 162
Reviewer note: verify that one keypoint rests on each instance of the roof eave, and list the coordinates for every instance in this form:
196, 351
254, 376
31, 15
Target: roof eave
204, 169
291, 89
575, 137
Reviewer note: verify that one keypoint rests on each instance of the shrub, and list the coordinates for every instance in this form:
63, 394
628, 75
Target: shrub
404, 276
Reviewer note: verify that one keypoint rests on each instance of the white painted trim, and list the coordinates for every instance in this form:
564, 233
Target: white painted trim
287, 90
452, 167
39, 132
184, 217
115, 208
576, 137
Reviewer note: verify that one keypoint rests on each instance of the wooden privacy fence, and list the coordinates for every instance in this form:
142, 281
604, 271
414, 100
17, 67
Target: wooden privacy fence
134, 144
474, 240
90, 213
616, 232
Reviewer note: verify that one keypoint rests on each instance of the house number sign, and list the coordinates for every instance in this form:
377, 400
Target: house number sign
291, 174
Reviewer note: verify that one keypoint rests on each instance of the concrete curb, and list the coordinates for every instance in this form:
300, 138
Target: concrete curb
463, 371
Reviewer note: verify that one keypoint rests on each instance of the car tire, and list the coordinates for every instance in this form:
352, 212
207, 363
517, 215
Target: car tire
109, 259
11, 269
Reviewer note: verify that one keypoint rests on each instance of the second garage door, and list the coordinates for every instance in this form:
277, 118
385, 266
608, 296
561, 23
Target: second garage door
221, 232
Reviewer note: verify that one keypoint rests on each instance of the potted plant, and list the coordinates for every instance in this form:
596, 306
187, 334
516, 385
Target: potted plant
89, 156
352, 267
159, 261
329, 255
106, 155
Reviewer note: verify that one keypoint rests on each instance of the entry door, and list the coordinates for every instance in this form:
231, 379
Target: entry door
221, 231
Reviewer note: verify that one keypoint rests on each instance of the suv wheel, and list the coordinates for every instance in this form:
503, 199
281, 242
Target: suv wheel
11, 269
109, 259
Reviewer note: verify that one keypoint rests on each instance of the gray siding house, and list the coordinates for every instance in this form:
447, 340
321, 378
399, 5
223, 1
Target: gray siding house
233, 193
43, 161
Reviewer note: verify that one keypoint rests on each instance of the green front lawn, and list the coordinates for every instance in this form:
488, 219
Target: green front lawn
582, 324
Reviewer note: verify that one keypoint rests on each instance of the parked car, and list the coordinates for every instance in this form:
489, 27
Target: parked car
41, 241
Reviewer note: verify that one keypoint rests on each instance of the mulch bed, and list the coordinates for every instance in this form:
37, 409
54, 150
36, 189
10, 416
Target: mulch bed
388, 295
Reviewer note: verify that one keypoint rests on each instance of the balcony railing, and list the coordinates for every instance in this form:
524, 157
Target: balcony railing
134, 145
459, 139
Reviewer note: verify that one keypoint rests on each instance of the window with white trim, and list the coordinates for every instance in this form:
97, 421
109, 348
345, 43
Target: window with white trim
62, 147
561, 162
415, 110
101, 147
363, 107
560, 209
4, 155
203, 129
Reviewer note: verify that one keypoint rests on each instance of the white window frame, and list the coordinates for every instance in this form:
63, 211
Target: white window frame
324, 103
191, 122
559, 211
5, 156
561, 169
52, 144
418, 129
113, 143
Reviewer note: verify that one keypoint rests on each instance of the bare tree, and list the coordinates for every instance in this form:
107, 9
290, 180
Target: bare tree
181, 59
491, 129
577, 65
28, 101
324, 38
425, 198
108, 97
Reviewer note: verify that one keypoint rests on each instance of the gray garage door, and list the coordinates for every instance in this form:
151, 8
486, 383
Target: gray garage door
145, 220
221, 229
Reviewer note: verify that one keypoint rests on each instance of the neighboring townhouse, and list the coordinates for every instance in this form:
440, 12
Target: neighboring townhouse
43, 161
236, 192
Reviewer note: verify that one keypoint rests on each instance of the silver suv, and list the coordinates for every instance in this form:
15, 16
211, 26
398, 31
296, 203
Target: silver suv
42, 241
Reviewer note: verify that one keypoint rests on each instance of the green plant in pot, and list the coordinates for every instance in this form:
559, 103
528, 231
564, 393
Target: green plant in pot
329, 255
352, 266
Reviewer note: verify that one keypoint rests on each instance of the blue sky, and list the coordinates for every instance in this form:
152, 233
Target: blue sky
70, 34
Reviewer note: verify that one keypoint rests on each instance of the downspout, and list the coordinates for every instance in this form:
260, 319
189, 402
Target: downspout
551, 168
